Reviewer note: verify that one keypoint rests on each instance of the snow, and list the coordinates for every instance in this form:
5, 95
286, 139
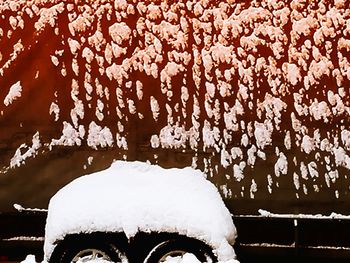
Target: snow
154, 107
253, 189
281, 166
238, 78
187, 258
13, 94
293, 73
29, 259
265, 213
19, 158
165, 199
54, 109
263, 135
99, 137
238, 171
308, 144
24, 238
70, 136
20, 208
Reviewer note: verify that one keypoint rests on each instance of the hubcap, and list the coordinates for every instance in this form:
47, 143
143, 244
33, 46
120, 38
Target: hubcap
91, 254
173, 254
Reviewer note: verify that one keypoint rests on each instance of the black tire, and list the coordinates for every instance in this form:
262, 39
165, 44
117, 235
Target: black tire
179, 247
84, 247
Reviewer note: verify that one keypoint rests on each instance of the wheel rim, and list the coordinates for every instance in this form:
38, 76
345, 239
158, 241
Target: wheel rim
91, 254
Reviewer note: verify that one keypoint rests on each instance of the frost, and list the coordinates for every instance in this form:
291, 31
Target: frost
154, 108
225, 158
345, 138
210, 89
13, 94
281, 166
313, 171
54, 60
296, 181
172, 137
99, 110
341, 157
263, 135
54, 109
253, 189
121, 142
251, 155
224, 77
245, 140
77, 112
308, 144
119, 32
24, 152
236, 152
48, 16
269, 183
238, 171
287, 141
210, 136
70, 136
88, 54
155, 142
292, 72
99, 137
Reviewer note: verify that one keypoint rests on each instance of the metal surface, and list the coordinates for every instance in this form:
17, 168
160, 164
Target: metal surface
91, 254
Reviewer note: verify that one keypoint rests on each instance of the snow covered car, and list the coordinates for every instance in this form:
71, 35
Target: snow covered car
138, 212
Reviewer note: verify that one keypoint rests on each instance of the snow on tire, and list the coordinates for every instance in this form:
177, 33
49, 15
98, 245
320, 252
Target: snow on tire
176, 248
89, 250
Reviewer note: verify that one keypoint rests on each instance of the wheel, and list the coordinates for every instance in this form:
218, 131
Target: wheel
178, 248
89, 250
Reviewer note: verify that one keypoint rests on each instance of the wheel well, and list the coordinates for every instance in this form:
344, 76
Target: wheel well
144, 243
114, 238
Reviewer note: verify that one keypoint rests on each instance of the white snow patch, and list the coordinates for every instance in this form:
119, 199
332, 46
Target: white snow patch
281, 166
19, 158
29, 259
238, 171
308, 144
154, 108
292, 73
54, 109
263, 135
99, 137
14, 93
70, 136
253, 189
341, 157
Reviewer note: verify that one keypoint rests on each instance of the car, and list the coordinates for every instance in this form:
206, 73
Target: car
138, 212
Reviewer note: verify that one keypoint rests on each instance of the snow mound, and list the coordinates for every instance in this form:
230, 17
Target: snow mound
29, 259
133, 196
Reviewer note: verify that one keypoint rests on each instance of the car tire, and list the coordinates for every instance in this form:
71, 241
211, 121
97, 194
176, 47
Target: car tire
179, 247
85, 249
